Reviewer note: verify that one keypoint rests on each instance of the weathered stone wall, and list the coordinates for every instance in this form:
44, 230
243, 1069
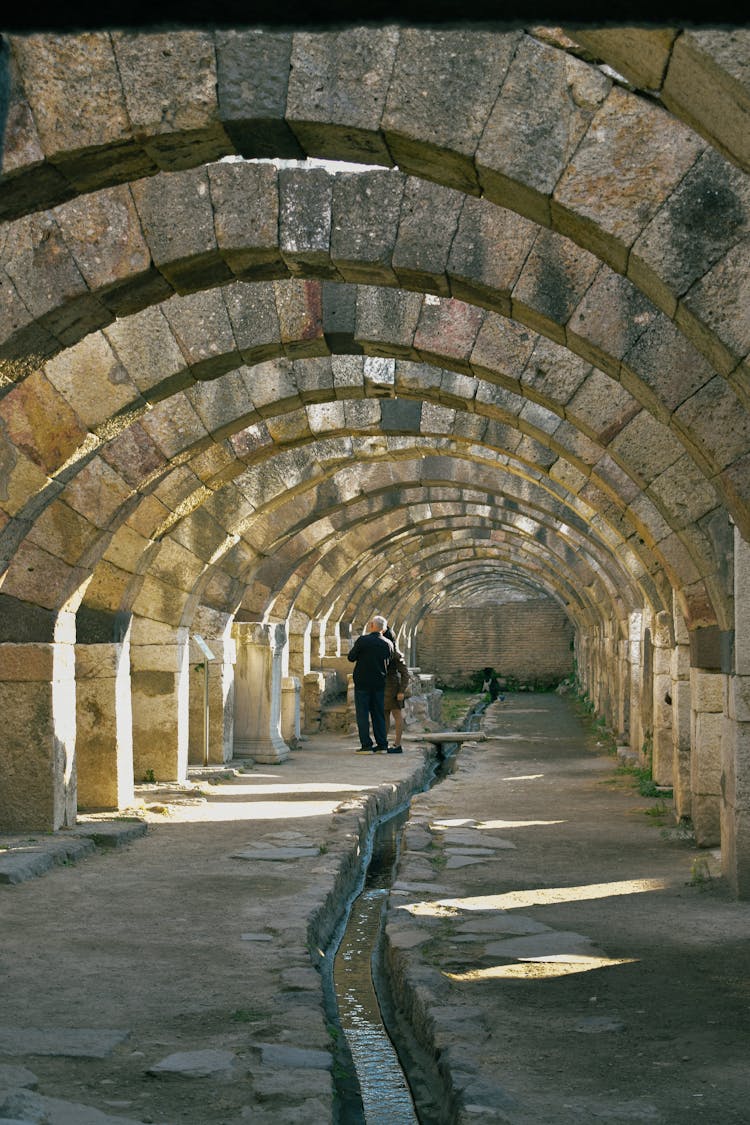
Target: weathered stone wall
528, 640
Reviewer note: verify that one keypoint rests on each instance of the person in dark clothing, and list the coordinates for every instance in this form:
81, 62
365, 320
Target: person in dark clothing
396, 685
491, 684
370, 654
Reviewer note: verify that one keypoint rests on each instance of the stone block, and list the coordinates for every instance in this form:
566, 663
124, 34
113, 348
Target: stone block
254, 320
217, 402
716, 422
437, 136
477, 276
203, 332
501, 352
609, 321
651, 151
645, 448
70, 111
37, 260
305, 198
547, 102
175, 565
272, 387
735, 485
337, 89
35, 793
715, 315
429, 219
684, 492
705, 764
21, 478
252, 78
555, 277
173, 425
707, 691
200, 533
706, 84
552, 372
386, 321
104, 236
178, 223
662, 368
705, 814
41, 578
170, 84
289, 428
641, 54
707, 214
160, 600
299, 306
366, 209
146, 347
91, 378
245, 200
27, 663
448, 328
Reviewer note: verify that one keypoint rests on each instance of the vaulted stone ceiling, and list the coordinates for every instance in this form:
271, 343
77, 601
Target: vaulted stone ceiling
521, 345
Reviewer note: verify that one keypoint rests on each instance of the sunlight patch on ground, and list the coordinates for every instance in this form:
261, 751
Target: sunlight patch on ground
540, 968
207, 812
524, 777
251, 788
490, 824
542, 896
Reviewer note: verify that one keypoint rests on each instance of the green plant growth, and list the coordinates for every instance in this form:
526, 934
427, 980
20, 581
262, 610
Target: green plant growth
247, 1015
149, 777
647, 787
700, 873
454, 705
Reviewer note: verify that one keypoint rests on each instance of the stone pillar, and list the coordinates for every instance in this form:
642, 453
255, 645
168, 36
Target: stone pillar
663, 754
257, 695
635, 684
681, 711
735, 823
623, 691
37, 744
313, 686
297, 649
290, 710
706, 730
220, 701
104, 721
160, 685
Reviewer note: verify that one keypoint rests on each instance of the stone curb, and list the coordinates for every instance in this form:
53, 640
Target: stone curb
27, 857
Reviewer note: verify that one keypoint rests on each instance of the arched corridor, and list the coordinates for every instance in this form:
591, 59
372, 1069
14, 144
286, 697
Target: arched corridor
249, 397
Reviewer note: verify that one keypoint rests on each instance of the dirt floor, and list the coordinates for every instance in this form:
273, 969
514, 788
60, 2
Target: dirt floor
591, 966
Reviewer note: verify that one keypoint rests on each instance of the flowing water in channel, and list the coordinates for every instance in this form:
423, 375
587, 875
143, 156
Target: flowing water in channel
380, 1094
384, 1091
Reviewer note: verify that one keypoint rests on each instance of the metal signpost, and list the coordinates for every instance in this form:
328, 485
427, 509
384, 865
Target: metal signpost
208, 655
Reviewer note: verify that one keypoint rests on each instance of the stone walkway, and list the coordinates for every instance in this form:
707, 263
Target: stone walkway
563, 956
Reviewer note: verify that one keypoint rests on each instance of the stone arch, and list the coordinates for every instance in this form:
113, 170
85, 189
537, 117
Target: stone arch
602, 364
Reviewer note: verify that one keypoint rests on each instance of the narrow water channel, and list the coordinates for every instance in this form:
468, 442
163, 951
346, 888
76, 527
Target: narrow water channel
380, 1093
384, 1090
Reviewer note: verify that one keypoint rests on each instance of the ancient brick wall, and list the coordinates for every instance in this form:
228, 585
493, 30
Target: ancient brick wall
528, 640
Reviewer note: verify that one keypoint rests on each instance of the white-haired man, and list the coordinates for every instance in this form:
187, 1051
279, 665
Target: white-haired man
370, 654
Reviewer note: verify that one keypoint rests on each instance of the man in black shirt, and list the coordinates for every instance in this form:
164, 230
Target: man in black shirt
370, 655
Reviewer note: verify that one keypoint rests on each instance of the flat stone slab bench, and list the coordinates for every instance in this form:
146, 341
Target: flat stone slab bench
439, 737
